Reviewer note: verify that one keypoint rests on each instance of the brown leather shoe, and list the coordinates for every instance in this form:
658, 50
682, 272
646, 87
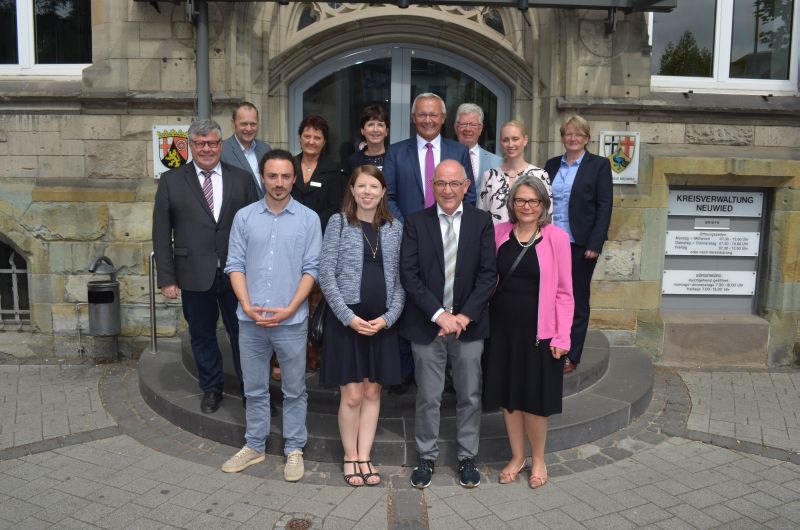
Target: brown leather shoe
569, 366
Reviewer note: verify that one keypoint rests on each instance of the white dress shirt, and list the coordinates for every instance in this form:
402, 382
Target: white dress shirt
250, 155
443, 228
422, 152
216, 185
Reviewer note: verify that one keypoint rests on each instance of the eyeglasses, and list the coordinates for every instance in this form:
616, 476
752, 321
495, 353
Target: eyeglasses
468, 125
519, 203
573, 135
212, 144
455, 185
428, 115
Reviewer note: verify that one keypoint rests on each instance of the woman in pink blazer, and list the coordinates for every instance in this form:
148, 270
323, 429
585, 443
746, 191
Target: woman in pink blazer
531, 316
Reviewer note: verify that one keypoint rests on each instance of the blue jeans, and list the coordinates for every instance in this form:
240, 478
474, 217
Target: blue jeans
256, 345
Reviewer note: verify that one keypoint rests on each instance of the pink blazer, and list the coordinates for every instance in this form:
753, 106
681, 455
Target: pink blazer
556, 305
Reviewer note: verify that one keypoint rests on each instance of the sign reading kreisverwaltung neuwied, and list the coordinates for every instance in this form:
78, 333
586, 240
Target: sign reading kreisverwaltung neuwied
170, 147
622, 150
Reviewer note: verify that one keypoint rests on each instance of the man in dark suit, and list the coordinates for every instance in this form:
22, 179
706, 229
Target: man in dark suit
192, 217
408, 168
409, 164
447, 264
583, 196
242, 149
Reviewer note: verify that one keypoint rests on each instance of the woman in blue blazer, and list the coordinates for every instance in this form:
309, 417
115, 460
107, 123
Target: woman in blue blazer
583, 194
359, 277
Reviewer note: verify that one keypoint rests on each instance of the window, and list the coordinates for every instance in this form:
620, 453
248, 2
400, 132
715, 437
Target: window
45, 37
726, 46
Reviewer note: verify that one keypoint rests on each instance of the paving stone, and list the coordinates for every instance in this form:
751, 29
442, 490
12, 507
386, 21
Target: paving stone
693, 516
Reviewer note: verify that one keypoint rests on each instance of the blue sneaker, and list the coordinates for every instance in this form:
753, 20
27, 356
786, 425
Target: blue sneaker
468, 474
421, 476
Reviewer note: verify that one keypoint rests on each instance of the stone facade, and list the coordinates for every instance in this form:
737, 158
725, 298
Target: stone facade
76, 156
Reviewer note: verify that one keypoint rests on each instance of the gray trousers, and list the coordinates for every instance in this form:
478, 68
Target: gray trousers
430, 361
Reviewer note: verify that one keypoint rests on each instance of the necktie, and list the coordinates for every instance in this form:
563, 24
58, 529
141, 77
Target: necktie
429, 169
208, 189
473, 157
450, 252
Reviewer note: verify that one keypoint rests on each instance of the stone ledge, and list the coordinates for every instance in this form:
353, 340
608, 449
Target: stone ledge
85, 190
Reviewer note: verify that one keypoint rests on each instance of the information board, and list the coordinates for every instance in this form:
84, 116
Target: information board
707, 243
709, 282
715, 203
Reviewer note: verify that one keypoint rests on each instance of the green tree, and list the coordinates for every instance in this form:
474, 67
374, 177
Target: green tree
686, 58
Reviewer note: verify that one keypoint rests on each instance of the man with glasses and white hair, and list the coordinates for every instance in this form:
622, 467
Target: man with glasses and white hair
192, 217
469, 127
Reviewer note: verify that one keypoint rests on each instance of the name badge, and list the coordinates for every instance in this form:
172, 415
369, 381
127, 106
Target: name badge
315, 184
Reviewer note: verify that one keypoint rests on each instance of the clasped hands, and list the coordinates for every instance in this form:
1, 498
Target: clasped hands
367, 328
449, 323
267, 317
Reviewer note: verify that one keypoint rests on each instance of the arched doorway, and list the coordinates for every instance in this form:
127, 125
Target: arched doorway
393, 74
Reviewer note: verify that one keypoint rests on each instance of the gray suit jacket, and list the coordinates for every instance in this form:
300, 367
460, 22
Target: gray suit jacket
486, 161
232, 154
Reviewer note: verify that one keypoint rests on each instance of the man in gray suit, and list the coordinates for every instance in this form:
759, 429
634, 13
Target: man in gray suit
192, 217
469, 126
242, 149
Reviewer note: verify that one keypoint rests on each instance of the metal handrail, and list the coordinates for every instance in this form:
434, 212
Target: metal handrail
153, 338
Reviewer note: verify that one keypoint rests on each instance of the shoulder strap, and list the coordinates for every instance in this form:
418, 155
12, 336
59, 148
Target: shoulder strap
512, 269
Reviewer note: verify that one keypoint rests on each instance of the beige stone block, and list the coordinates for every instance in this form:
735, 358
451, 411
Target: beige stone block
593, 39
142, 12
784, 344
616, 319
623, 91
47, 288
128, 258
119, 40
83, 222
33, 143
134, 289
787, 199
217, 75
657, 198
61, 166
141, 127
116, 159
131, 221
31, 122
642, 295
72, 147
718, 134
183, 31
660, 133
41, 317
67, 257
167, 49
18, 167
144, 74
786, 242
653, 244
75, 286
178, 75
777, 136
619, 261
153, 30
69, 318
714, 339
608, 295
593, 81
92, 127
136, 321
626, 223
650, 332
106, 75
83, 190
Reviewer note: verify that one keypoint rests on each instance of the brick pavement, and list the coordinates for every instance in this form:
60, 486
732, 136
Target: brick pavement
154, 475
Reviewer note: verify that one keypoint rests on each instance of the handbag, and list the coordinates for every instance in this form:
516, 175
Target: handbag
316, 326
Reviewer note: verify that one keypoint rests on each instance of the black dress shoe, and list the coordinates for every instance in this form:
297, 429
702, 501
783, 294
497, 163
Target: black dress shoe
401, 388
210, 402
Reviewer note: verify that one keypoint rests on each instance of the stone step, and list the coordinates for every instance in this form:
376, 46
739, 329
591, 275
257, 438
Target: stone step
622, 393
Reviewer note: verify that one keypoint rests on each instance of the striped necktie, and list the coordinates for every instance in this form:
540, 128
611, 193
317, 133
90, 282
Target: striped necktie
208, 189
450, 252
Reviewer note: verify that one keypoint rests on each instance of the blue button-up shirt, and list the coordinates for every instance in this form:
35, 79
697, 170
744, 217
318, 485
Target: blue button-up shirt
562, 190
274, 251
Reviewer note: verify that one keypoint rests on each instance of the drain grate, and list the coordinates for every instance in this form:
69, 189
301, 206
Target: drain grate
299, 524
298, 521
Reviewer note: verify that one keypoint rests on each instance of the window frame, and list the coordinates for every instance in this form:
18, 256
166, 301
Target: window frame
26, 50
720, 82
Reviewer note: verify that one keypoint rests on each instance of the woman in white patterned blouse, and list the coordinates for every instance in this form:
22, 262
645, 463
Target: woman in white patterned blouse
498, 181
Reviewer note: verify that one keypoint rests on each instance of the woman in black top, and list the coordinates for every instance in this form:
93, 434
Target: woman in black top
322, 185
374, 125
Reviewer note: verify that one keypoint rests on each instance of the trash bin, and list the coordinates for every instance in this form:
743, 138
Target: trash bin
104, 317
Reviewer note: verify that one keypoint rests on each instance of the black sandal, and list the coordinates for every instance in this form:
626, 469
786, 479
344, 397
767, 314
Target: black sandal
366, 476
349, 478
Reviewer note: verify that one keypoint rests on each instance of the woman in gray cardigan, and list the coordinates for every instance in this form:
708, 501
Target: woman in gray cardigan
359, 277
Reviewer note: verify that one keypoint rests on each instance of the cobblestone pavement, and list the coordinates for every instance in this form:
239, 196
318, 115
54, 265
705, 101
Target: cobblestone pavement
142, 472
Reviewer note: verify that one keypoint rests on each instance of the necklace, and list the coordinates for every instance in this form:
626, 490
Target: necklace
372, 250
530, 242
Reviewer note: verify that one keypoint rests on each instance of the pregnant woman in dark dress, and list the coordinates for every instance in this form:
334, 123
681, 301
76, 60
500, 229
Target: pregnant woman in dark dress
530, 315
359, 277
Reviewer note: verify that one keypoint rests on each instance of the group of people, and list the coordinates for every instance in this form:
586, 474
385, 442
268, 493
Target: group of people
436, 258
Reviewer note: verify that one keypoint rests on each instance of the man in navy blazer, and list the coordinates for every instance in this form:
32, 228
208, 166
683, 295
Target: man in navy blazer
469, 127
242, 149
404, 166
583, 196
448, 270
191, 225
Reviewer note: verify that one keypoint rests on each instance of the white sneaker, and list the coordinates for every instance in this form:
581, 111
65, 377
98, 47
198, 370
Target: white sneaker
294, 469
242, 460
